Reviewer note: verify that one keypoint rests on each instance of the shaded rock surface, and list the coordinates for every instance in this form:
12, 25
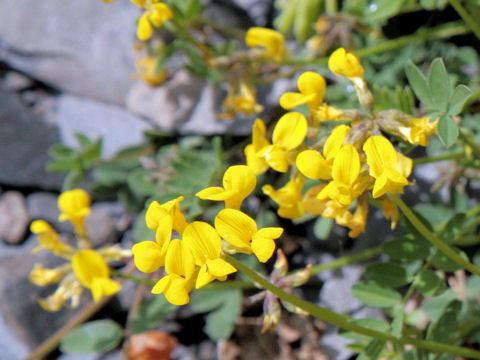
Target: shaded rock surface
82, 46
24, 141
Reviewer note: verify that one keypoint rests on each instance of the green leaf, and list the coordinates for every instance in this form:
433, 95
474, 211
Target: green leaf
442, 262
443, 330
224, 306
94, 336
381, 10
435, 307
458, 99
61, 152
447, 130
419, 84
375, 295
92, 151
306, 14
322, 228
82, 139
62, 165
406, 249
429, 283
373, 350
151, 313
388, 274
142, 183
439, 83
73, 179
266, 218
286, 15
453, 228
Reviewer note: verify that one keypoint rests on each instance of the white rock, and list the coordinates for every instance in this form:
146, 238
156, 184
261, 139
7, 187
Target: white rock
117, 127
81, 46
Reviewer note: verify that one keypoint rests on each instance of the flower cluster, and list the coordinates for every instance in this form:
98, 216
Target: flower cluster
355, 161
155, 13
85, 267
194, 257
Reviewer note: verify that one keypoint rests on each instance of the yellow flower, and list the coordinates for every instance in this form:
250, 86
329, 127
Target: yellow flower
312, 90
41, 276
238, 182
148, 256
180, 268
205, 244
240, 231
311, 203
254, 151
69, 289
390, 211
162, 218
289, 198
75, 207
271, 40
93, 273
288, 134
147, 70
359, 219
49, 239
314, 165
156, 13
346, 64
383, 161
345, 172
240, 98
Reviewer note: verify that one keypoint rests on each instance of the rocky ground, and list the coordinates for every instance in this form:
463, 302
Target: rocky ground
67, 67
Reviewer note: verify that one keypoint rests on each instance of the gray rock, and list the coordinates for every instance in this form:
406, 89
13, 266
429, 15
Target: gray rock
13, 217
336, 294
100, 228
117, 127
43, 205
258, 11
334, 345
167, 106
81, 46
15, 81
26, 320
24, 141
12, 347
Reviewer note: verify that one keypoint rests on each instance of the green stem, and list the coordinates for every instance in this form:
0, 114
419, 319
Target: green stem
331, 6
472, 23
341, 321
430, 159
335, 264
439, 32
422, 229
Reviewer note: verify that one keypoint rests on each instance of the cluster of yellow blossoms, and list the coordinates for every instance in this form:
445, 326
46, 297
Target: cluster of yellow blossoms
356, 159
85, 267
193, 258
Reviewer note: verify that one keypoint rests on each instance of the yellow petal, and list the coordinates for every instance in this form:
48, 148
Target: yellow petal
144, 28
290, 131
259, 131
236, 228
404, 165
179, 259
312, 83
277, 158
148, 256
88, 265
271, 40
203, 240
290, 100
263, 245
104, 286
255, 161
335, 141
380, 154
219, 268
175, 288
346, 166
240, 180
313, 165
158, 13
346, 64
214, 193
204, 277
389, 181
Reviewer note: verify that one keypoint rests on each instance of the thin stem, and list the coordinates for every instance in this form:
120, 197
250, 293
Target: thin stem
422, 229
342, 322
52, 342
350, 259
472, 23
331, 6
430, 159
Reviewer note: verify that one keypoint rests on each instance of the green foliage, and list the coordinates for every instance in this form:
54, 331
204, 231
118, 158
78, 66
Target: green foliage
299, 15
75, 162
388, 274
375, 295
93, 336
223, 307
442, 101
398, 98
151, 313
